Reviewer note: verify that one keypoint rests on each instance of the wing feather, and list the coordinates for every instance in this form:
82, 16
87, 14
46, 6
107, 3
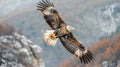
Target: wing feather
44, 4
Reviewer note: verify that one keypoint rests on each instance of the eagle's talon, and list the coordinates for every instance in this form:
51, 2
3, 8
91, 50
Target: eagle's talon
52, 36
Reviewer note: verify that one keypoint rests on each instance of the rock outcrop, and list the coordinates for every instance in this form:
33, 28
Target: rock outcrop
17, 51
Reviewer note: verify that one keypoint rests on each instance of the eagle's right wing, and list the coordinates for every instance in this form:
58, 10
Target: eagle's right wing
50, 14
76, 48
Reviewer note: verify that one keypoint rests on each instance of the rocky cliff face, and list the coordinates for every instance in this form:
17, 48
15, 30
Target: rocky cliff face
17, 51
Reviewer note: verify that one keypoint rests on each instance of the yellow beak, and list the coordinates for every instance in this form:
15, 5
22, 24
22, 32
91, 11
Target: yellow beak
72, 28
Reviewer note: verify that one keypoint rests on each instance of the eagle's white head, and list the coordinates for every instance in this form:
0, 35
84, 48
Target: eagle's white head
70, 28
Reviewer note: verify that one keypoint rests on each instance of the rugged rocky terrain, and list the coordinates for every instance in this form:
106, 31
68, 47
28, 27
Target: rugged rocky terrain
18, 51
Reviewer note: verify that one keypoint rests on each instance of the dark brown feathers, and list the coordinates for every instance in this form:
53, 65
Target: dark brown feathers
43, 4
86, 58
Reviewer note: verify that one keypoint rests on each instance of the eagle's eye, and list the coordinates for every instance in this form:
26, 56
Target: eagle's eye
53, 11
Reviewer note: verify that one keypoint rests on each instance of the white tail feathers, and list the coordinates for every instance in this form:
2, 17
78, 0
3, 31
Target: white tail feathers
50, 38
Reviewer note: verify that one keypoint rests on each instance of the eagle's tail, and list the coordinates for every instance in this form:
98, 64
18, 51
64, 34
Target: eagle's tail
85, 56
50, 38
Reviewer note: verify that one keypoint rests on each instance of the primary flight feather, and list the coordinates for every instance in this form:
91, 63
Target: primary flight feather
60, 30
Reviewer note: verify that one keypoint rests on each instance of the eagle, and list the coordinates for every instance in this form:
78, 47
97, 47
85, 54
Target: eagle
60, 30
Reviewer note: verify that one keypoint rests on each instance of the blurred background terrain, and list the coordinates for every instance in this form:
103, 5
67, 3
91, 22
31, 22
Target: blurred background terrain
97, 26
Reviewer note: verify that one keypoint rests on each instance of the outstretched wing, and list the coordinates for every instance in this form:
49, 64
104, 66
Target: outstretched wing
54, 20
50, 14
76, 48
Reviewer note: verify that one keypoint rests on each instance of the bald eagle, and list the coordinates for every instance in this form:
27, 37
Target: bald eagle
63, 32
